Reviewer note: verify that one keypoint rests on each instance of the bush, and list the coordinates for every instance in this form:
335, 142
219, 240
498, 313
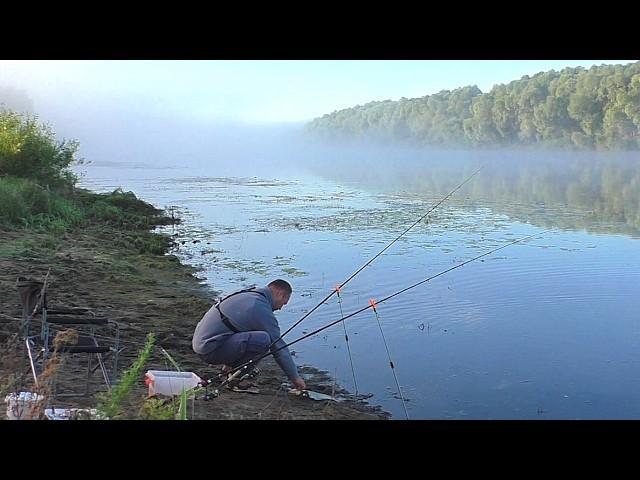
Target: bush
29, 149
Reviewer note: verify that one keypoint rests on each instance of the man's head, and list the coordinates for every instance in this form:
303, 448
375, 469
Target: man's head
281, 292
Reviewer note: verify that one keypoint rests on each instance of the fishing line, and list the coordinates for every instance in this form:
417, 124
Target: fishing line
373, 304
346, 338
246, 365
377, 255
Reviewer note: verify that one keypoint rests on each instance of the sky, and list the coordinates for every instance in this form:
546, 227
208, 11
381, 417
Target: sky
252, 92
227, 112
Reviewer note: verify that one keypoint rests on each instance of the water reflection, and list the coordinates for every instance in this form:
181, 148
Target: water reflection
592, 191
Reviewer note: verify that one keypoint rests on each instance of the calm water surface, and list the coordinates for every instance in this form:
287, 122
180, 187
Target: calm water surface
547, 329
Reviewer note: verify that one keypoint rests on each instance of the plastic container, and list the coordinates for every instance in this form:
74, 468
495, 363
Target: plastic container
170, 383
24, 405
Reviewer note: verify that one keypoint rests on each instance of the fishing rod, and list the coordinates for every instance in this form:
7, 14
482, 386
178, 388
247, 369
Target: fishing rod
373, 304
376, 256
346, 338
235, 372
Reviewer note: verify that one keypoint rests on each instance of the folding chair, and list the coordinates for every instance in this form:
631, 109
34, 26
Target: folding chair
34, 299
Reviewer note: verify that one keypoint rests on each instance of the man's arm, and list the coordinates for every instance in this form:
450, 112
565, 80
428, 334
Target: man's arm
282, 357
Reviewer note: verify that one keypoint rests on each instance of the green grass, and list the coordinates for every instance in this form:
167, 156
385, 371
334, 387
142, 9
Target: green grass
26, 205
14, 248
112, 403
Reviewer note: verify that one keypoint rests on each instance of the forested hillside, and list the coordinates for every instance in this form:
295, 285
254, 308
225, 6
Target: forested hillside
575, 107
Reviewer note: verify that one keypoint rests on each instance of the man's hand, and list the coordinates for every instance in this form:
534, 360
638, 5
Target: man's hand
299, 383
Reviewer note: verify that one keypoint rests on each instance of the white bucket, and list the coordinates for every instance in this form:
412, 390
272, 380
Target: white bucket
23, 405
170, 383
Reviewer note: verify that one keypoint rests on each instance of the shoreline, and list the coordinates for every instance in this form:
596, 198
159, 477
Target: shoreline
98, 267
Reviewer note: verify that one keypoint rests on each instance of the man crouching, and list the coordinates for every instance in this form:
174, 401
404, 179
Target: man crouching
241, 326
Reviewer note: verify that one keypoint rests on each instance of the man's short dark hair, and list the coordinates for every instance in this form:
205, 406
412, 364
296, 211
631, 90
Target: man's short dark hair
281, 285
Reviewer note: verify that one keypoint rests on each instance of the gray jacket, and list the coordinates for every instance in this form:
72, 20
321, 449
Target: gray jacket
248, 311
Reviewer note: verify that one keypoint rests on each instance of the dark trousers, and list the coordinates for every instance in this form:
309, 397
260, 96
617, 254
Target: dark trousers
239, 348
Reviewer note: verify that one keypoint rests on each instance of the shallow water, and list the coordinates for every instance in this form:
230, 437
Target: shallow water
546, 329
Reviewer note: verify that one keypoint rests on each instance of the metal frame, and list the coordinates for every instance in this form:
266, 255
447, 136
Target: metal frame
39, 345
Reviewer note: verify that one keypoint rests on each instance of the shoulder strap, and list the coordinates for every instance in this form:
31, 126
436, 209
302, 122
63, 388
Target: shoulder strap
252, 289
226, 319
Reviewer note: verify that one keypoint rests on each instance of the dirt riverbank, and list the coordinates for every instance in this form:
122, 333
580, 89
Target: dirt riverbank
96, 268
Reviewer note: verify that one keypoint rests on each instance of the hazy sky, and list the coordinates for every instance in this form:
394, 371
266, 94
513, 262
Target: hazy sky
261, 91
227, 112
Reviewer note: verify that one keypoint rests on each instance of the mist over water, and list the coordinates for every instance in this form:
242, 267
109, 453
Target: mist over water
598, 191
592, 190
112, 136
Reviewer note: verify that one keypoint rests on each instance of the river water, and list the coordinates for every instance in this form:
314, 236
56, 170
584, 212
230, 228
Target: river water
544, 329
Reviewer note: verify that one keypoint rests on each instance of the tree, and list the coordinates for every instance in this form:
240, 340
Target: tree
29, 149
594, 108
